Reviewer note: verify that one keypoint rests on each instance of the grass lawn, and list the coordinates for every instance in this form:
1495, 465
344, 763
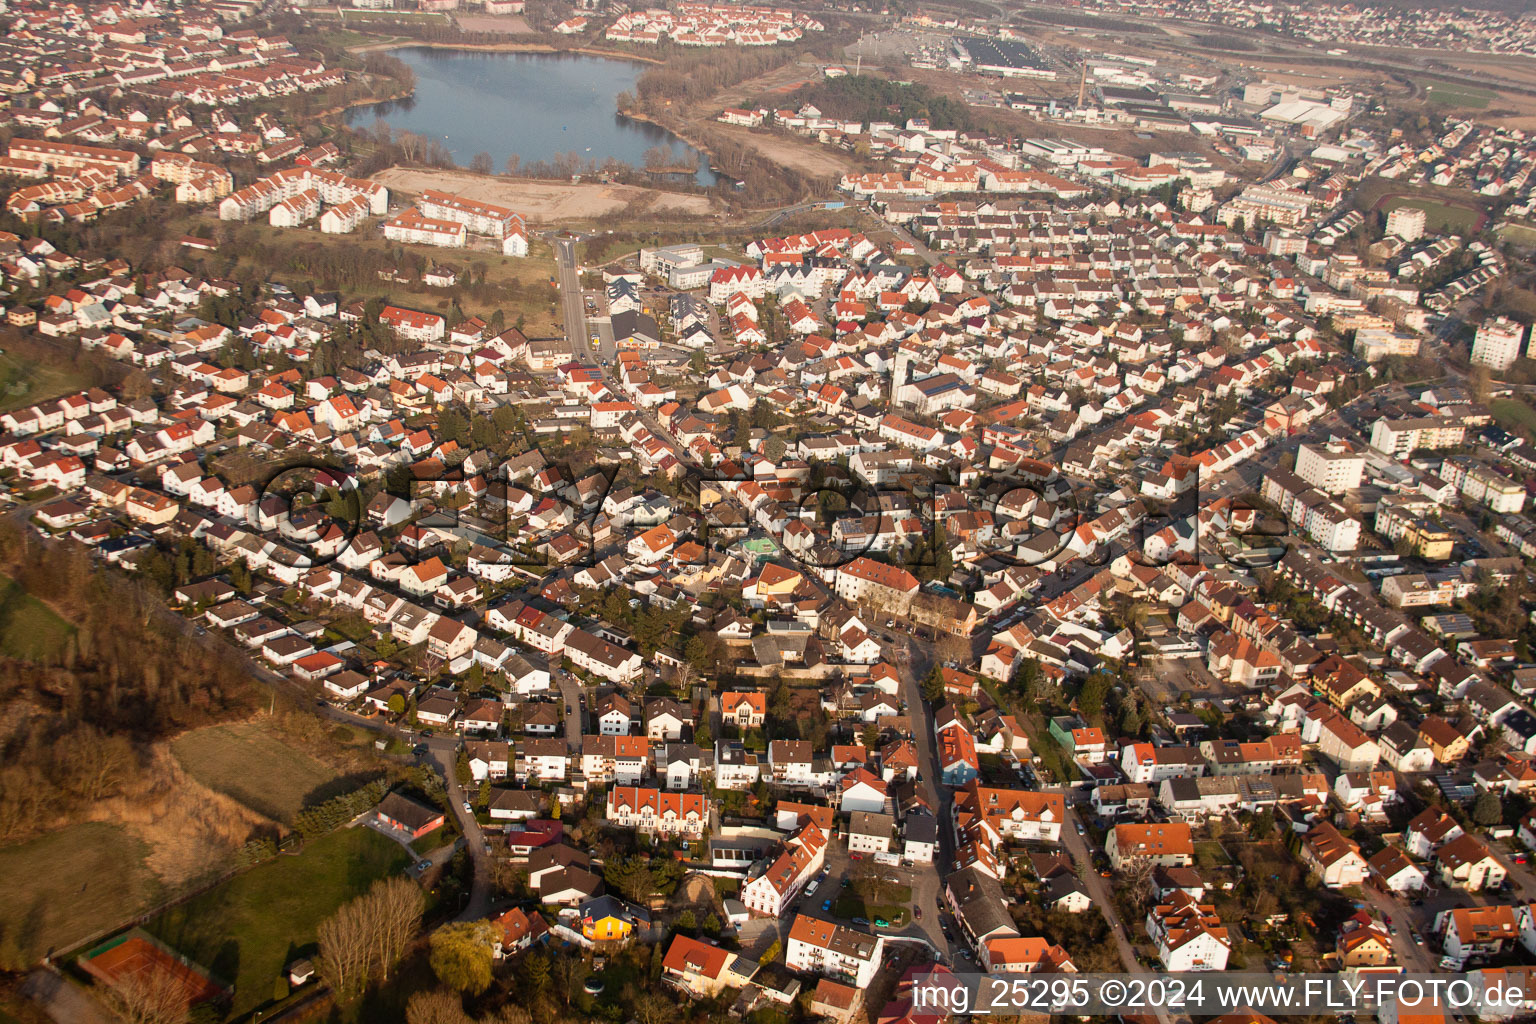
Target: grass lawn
29, 383
850, 906
1209, 854
29, 629
248, 929
1441, 218
1520, 234
247, 762
1447, 94
1510, 411
61, 888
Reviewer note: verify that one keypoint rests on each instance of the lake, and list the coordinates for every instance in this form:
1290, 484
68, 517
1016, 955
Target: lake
537, 105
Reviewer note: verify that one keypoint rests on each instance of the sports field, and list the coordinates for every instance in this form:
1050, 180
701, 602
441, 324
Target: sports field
1447, 94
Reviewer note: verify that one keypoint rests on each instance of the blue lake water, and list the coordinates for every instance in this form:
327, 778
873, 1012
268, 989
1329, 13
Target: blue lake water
537, 105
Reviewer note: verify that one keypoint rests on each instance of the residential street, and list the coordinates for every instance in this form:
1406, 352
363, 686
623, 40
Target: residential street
1103, 899
444, 750
571, 693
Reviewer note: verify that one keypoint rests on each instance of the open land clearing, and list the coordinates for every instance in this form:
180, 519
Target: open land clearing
808, 158
544, 202
511, 24
244, 929
247, 762
29, 629
60, 888
27, 383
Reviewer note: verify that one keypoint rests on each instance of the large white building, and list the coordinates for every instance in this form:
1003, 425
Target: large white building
821, 947
411, 227
500, 223
1406, 222
1332, 468
1497, 343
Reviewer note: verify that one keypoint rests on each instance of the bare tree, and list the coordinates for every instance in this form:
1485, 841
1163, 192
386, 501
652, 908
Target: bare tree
397, 905
345, 950
568, 974
436, 1007
365, 938
1136, 880
653, 1008
481, 163
513, 162
149, 997
410, 145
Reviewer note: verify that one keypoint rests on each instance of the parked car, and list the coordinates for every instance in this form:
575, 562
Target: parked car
826, 904
862, 922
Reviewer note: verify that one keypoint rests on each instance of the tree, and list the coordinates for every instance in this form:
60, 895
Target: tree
436, 1007
344, 950
481, 163
1090, 699
871, 736
1035, 683
653, 1008
149, 997
1488, 810
632, 877
461, 955
366, 937
1136, 879
772, 953
461, 769
397, 703
933, 686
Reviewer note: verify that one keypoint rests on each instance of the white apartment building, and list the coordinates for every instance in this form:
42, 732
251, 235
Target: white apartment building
1331, 468
413, 228
1497, 343
1406, 222
1401, 436
821, 947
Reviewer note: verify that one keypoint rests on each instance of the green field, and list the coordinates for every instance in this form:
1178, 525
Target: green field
1520, 234
247, 762
29, 629
64, 887
1439, 218
1510, 412
250, 927
1446, 94
24, 384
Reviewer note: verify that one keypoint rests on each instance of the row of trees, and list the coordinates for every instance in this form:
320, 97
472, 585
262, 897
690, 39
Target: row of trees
364, 940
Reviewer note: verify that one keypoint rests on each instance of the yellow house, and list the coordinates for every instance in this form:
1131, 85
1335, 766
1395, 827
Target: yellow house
608, 919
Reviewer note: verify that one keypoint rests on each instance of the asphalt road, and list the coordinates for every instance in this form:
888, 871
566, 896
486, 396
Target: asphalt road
444, 750
571, 693
1082, 859
570, 299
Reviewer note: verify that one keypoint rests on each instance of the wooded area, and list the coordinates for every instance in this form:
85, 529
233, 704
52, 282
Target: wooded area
76, 731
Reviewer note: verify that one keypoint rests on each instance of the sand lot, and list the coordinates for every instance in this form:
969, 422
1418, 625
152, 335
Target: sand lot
511, 24
547, 202
806, 157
